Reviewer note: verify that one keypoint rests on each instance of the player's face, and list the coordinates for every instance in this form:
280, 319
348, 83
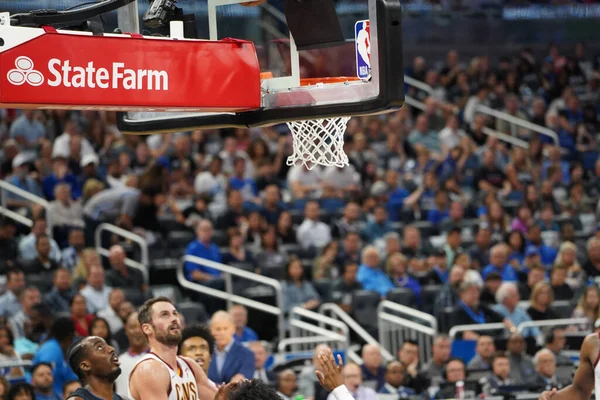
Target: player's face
101, 359
197, 349
166, 324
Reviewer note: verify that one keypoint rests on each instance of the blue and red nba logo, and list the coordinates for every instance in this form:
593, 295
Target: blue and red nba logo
362, 38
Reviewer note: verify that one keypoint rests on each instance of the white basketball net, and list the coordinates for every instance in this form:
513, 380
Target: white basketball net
319, 142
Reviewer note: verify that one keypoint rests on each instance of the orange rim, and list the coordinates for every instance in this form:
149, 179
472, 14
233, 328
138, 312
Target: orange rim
327, 80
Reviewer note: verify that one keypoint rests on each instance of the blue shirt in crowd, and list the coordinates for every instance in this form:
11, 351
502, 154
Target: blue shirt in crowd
374, 279
210, 252
50, 352
507, 273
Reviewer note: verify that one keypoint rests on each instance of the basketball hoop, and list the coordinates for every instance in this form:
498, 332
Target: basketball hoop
320, 141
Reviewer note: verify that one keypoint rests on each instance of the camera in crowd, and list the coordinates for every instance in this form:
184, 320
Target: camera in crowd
161, 12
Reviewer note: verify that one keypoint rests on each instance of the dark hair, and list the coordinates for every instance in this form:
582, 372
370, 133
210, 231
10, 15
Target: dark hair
42, 236
348, 264
293, 259
108, 339
42, 308
200, 331
451, 359
19, 388
498, 355
4, 382
73, 298
253, 390
67, 383
13, 271
11, 337
410, 341
145, 311
63, 328
75, 355
40, 364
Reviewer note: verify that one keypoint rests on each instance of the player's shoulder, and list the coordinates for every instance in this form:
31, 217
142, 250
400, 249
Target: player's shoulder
149, 365
591, 347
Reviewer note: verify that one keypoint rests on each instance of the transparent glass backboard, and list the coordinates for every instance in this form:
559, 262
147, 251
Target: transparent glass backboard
359, 58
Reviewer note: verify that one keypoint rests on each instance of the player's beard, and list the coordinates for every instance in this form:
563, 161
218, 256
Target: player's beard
168, 338
111, 376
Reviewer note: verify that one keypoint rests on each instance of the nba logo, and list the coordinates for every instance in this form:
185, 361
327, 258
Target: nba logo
362, 37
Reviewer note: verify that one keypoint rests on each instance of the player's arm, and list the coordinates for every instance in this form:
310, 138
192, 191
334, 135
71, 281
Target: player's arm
206, 389
149, 380
583, 383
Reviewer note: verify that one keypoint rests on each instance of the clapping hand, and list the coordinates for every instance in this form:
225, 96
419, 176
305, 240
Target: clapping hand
331, 375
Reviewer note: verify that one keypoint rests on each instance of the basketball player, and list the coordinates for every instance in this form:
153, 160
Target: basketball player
97, 367
587, 376
161, 374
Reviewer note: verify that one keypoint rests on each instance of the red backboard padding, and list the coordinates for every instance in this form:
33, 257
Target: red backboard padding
130, 73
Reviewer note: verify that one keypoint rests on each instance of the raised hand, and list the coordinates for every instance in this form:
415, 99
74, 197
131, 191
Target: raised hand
331, 375
548, 394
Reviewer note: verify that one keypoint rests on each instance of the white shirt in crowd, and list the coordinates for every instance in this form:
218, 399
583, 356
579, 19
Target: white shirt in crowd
96, 299
451, 138
62, 146
128, 361
341, 178
114, 321
313, 233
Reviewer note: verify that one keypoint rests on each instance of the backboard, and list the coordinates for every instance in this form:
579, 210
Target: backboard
367, 54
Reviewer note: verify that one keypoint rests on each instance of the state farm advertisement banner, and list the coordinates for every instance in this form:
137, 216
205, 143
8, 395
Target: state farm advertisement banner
57, 69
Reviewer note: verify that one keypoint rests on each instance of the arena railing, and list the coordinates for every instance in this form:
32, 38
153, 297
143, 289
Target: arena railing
398, 323
306, 325
478, 328
8, 187
334, 311
139, 265
555, 322
227, 295
482, 109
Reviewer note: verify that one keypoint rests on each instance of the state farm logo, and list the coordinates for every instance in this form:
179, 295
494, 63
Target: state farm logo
24, 72
88, 76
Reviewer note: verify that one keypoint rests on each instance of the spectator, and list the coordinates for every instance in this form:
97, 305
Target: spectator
138, 347
261, 356
96, 292
325, 267
412, 246
303, 182
22, 180
241, 182
237, 254
203, 247
485, 350
270, 254
480, 251
27, 245
28, 298
60, 296
89, 257
422, 135
370, 275
500, 373
272, 206
452, 248
451, 136
55, 348
373, 372
122, 276
555, 342
80, 315
511, 104
297, 292
395, 375
4, 387
353, 382
73, 253
377, 227
592, 266
42, 262
312, 233
9, 301
35, 330
7, 352
489, 178
491, 284
115, 205
498, 263
396, 269
545, 366
286, 232
349, 222
307, 380
233, 362
27, 130
449, 294
64, 212
342, 289
60, 174
42, 382
21, 391
409, 356
234, 213
507, 298
350, 249
558, 280
588, 307
434, 369
62, 144
99, 327
541, 300
243, 333
286, 385
469, 311
455, 372
9, 249
111, 313
521, 366
536, 275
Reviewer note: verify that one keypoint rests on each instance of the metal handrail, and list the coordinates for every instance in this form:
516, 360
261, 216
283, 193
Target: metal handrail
430, 319
9, 187
410, 324
517, 121
307, 314
506, 138
418, 84
353, 356
331, 328
552, 322
475, 327
338, 312
305, 340
228, 295
141, 266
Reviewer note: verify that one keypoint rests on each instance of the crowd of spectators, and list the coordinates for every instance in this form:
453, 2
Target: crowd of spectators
429, 204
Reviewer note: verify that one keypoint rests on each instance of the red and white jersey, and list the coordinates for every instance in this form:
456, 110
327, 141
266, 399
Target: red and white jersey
183, 381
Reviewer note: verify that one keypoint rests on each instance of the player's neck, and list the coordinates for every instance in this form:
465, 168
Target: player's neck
100, 388
166, 353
